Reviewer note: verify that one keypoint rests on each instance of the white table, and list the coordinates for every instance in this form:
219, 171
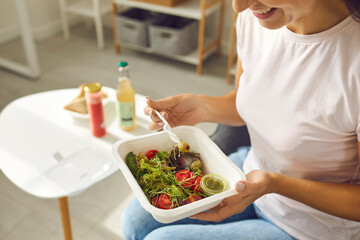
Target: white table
49, 153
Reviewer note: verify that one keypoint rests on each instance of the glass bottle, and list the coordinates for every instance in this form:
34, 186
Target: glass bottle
125, 104
93, 96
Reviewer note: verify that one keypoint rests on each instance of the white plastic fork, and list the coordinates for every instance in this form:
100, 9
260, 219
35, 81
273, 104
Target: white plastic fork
167, 128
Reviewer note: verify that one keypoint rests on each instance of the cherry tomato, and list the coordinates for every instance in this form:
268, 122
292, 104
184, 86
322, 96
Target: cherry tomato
154, 201
193, 198
185, 177
150, 154
164, 201
196, 186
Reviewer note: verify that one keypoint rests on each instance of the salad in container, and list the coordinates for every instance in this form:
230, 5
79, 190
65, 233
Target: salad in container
174, 181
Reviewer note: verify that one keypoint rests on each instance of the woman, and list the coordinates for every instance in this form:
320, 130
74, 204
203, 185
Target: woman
299, 95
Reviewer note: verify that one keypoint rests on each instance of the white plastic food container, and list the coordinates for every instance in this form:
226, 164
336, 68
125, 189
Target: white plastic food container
214, 161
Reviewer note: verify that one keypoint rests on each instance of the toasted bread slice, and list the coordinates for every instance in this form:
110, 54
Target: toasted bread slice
78, 105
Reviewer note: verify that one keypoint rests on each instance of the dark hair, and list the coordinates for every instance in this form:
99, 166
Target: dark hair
354, 8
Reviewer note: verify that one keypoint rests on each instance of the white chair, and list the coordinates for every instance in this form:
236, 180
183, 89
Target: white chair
32, 69
89, 8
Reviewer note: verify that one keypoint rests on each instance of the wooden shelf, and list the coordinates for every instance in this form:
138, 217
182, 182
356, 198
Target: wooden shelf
188, 9
193, 9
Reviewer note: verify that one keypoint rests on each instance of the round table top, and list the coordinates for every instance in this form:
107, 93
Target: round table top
49, 152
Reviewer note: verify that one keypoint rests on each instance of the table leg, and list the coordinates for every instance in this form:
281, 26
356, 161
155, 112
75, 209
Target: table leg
65, 218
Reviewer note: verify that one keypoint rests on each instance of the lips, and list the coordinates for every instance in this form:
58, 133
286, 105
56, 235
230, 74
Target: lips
264, 13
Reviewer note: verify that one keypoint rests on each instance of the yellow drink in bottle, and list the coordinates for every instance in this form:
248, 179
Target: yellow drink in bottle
125, 104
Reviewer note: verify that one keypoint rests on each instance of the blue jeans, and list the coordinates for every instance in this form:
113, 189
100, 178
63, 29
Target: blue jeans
136, 223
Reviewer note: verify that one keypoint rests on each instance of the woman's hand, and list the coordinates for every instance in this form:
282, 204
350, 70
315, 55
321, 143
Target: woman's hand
257, 184
184, 109
338, 199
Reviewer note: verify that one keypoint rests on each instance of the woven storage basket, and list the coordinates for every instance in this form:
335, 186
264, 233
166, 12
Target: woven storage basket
132, 26
173, 35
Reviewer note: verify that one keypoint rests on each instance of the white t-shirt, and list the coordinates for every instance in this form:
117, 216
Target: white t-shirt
300, 98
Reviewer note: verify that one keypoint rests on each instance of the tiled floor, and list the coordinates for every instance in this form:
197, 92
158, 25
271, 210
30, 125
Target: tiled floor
95, 213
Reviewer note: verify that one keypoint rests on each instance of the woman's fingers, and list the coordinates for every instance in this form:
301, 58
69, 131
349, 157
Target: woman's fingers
149, 110
155, 125
162, 104
216, 216
247, 192
154, 117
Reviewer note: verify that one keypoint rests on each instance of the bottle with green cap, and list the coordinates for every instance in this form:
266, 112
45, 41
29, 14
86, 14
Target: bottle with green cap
125, 104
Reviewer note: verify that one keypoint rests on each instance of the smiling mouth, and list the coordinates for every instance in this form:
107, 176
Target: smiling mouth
263, 11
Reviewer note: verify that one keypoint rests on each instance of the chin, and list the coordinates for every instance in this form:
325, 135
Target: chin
271, 26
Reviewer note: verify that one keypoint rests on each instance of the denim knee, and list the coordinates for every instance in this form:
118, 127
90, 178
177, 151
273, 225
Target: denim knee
136, 223
127, 225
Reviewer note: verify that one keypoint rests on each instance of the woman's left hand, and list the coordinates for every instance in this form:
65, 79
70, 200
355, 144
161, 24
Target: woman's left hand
257, 184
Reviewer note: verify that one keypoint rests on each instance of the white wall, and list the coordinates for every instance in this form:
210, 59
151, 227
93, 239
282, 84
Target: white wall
45, 20
8, 20
44, 17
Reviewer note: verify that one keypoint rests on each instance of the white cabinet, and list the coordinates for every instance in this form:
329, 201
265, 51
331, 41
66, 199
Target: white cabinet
193, 9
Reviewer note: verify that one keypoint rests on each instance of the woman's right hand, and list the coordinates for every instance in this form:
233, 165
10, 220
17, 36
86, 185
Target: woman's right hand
183, 109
